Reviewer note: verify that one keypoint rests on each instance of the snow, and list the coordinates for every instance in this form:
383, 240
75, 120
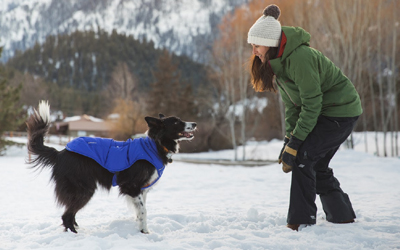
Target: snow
78, 118
198, 206
7, 5
254, 103
72, 118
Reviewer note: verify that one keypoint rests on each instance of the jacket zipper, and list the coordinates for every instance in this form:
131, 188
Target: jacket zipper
283, 87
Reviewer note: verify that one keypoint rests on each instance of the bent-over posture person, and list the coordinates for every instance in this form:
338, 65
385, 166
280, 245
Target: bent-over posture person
321, 110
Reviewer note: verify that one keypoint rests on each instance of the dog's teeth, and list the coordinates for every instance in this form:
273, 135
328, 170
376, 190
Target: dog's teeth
186, 134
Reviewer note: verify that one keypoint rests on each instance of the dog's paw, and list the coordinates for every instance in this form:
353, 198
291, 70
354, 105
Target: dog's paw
73, 230
144, 231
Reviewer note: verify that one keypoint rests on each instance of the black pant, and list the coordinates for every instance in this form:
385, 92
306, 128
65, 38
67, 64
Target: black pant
312, 176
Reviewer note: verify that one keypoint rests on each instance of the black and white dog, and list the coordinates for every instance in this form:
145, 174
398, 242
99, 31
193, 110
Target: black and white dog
133, 165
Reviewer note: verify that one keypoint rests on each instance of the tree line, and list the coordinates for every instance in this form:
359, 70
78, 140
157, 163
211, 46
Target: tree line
77, 68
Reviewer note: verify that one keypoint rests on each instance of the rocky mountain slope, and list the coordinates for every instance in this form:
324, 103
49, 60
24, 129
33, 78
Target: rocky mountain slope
182, 26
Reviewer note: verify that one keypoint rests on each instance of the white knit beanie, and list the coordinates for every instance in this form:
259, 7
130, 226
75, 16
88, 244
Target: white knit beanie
266, 31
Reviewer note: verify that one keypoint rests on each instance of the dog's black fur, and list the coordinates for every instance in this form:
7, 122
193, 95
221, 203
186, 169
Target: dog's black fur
76, 176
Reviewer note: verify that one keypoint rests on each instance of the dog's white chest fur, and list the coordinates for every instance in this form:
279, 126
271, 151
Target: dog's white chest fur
153, 178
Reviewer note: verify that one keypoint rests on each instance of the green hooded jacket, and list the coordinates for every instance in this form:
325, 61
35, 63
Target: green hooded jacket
311, 85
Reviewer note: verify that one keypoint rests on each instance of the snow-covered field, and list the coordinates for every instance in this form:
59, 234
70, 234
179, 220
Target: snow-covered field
198, 206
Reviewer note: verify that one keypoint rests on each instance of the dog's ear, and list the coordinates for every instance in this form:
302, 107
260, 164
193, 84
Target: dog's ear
153, 122
161, 116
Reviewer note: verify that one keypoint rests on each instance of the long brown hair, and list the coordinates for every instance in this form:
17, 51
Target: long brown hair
262, 76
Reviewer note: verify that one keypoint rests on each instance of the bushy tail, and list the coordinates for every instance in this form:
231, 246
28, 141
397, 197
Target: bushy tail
38, 125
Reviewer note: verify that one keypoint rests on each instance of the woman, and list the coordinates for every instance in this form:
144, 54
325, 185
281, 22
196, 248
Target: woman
321, 109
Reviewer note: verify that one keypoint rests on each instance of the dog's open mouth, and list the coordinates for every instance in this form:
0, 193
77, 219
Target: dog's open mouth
187, 132
186, 135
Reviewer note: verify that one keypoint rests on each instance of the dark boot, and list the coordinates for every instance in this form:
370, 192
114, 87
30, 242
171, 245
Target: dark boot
297, 227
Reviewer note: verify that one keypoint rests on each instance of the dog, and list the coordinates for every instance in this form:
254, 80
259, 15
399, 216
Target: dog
88, 162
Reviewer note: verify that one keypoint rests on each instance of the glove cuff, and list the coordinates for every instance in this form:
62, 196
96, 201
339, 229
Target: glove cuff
286, 140
294, 143
290, 150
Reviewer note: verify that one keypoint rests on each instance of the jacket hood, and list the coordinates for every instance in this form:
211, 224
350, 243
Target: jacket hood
296, 37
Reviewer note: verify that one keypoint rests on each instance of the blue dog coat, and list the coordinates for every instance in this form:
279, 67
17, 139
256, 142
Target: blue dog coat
116, 156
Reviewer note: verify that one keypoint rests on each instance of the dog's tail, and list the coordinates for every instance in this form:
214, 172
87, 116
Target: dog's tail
38, 125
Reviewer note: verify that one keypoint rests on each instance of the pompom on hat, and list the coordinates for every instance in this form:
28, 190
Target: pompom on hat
266, 31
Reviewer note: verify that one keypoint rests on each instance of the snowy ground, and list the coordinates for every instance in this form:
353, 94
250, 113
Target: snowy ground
205, 207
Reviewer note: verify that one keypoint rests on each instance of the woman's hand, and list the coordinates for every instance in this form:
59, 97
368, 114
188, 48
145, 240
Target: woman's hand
285, 142
289, 154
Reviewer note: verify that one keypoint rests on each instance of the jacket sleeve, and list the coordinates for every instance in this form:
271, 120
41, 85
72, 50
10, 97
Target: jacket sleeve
304, 71
291, 113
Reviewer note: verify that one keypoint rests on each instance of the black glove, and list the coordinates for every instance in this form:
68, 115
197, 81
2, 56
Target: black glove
285, 142
289, 154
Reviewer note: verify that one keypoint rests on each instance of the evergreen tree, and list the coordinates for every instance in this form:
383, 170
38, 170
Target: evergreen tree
11, 114
168, 94
163, 96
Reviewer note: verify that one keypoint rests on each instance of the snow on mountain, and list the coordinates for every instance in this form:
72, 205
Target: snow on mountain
182, 26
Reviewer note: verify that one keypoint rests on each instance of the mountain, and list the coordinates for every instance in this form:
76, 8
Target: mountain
185, 27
